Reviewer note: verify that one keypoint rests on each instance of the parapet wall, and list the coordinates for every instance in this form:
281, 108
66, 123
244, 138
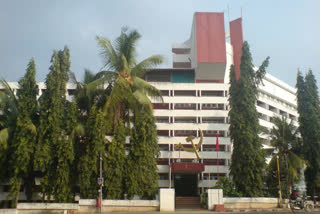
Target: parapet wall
250, 203
88, 206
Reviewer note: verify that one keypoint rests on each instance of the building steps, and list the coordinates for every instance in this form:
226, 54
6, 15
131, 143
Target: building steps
188, 201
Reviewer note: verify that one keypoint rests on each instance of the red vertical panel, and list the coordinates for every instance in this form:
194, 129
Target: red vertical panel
210, 35
236, 37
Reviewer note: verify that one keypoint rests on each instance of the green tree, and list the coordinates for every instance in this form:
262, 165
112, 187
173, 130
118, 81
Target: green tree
24, 136
247, 161
287, 146
142, 176
115, 165
309, 120
227, 186
93, 146
8, 118
53, 151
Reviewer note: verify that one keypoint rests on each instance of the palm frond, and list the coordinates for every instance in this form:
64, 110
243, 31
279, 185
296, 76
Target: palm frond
72, 77
110, 57
8, 102
147, 64
94, 85
120, 93
108, 76
9, 92
145, 87
126, 45
89, 76
142, 99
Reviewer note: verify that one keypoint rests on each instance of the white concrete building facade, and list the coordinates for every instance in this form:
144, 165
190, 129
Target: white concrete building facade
195, 93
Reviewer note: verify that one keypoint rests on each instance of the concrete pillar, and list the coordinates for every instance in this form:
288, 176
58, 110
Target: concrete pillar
167, 199
215, 197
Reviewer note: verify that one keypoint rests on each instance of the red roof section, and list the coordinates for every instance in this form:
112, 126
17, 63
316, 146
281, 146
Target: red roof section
236, 37
187, 167
210, 36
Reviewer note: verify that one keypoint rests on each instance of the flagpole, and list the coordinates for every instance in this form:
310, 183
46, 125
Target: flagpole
217, 150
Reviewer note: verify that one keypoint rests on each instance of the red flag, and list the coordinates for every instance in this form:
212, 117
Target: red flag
217, 142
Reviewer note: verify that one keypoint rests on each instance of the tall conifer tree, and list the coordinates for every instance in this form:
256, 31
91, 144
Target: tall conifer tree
24, 137
114, 167
142, 176
93, 148
309, 120
247, 161
53, 151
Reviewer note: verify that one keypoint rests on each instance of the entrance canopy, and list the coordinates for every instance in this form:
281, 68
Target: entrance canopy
187, 167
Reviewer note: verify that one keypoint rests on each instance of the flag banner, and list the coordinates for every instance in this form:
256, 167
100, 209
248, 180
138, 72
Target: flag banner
217, 142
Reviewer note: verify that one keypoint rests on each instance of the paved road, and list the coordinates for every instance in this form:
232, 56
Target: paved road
181, 211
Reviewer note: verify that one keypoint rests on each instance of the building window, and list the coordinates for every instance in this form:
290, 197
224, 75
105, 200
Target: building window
212, 93
213, 120
158, 76
212, 106
292, 117
273, 109
185, 120
162, 161
186, 106
261, 104
185, 93
164, 147
214, 162
160, 105
163, 176
212, 148
164, 133
185, 133
162, 119
212, 176
213, 133
165, 92
71, 92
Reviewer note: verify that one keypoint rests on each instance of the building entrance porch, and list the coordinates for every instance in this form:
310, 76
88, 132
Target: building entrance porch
186, 184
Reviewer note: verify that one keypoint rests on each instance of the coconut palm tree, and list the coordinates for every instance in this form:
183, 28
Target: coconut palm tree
125, 74
129, 96
284, 138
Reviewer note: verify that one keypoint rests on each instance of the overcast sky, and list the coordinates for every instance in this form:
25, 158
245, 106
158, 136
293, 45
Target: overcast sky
288, 31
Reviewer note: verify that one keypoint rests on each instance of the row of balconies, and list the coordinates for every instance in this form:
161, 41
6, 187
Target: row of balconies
279, 102
165, 132
205, 147
190, 106
206, 140
275, 110
191, 156
164, 119
194, 93
207, 168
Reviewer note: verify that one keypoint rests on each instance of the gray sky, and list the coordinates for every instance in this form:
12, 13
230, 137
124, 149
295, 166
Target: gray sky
288, 31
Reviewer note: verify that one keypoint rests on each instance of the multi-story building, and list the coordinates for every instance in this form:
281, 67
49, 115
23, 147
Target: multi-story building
195, 93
